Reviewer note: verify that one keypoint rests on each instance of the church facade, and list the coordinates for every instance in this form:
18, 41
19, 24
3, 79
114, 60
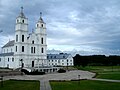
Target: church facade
30, 49
27, 50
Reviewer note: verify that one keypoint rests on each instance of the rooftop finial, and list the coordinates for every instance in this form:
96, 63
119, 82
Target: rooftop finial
40, 14
22, 9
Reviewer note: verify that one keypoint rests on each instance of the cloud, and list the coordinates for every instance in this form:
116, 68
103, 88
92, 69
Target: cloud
82, 24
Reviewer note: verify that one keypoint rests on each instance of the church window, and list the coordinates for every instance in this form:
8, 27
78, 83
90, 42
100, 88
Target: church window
22, 21
22, 48
17, 20
67, 60
8, 59
33, 42
12, 59
16, 48
37, 25
22, 38
41, 40
42, 50
16, 38
34, 49
31, 49
51, 56
0, 59
11, 49
41, 25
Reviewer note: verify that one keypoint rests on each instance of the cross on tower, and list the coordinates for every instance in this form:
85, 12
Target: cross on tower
40, 14
22, 9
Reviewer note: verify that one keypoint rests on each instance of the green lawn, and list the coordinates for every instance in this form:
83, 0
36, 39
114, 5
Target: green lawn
104, 72
85, 85
20, 85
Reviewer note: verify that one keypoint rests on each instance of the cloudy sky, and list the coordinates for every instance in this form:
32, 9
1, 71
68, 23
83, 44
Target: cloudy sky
89, 26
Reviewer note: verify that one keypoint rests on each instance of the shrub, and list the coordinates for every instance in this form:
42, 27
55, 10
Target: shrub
61, 71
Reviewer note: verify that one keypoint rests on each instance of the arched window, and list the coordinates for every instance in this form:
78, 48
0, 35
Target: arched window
17, 20
41, 25
16, 38
22, 21
34, 49
41, 40
22, 38
12, 59
8, 59
16, 48
42, 50
33, 42
31, 49
22, 48
37, 25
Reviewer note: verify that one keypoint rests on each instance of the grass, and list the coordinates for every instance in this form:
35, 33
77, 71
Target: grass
85, 85
20, 85
104, 72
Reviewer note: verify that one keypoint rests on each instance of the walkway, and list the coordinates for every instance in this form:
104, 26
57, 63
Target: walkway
45, 85
108, 80
44, 79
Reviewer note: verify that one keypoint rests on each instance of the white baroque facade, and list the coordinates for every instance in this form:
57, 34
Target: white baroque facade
27, 50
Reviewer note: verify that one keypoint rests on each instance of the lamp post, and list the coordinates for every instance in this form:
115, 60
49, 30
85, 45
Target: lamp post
78, 79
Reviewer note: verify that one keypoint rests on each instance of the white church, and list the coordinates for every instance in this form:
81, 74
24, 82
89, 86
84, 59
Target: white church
30, 50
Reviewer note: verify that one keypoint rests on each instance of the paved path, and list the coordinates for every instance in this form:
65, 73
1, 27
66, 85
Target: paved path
45, 85
56, 76
71, 75
105, 80
44, 79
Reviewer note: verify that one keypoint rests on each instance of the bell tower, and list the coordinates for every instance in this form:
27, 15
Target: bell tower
40, 31
21, 33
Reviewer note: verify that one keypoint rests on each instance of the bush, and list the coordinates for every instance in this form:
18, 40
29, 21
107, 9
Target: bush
32, 73
25, 71
61, 71
36, 73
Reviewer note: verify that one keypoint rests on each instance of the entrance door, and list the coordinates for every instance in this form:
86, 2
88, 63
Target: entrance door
32, 63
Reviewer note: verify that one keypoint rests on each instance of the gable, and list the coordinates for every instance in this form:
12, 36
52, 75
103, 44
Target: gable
10, 43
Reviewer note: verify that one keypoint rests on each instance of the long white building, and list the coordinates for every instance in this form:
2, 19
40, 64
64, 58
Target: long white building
61, 59
30, 49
